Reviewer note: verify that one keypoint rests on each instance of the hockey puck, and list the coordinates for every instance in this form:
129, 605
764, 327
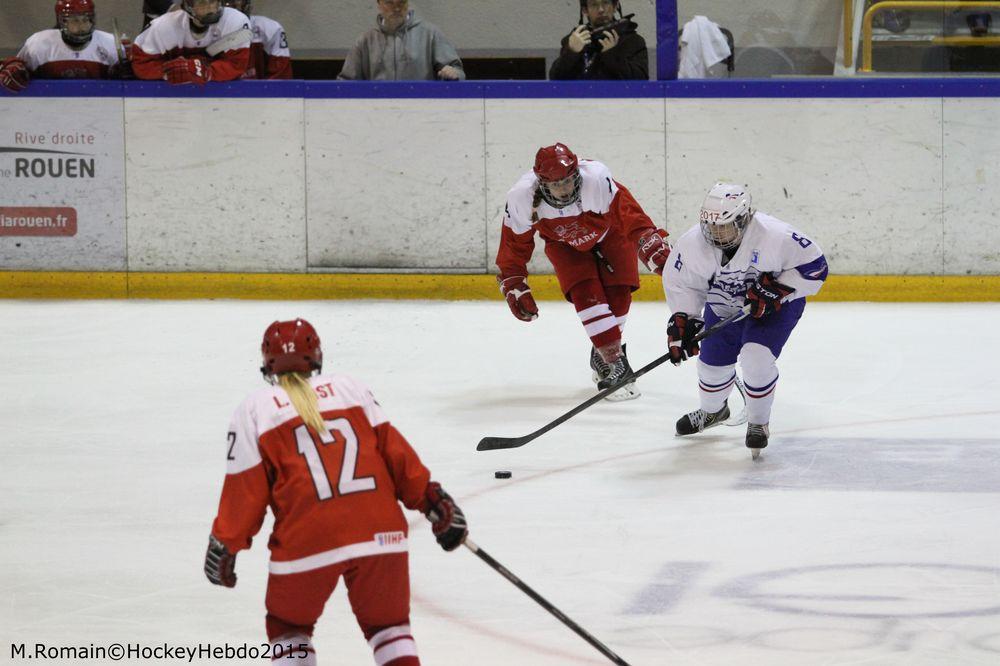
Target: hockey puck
502, 475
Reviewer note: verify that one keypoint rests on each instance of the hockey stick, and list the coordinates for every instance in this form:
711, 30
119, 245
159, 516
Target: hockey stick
119, 47
494, 443
229, 41
540, 600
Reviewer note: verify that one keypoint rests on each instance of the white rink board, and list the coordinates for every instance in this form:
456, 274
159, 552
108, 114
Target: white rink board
971, 186
215, 185
863, 176
287, 185
625, 134
56, 125
396, 183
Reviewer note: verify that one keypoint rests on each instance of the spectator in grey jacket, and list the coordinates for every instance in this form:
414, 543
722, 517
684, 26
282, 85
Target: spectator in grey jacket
402, 47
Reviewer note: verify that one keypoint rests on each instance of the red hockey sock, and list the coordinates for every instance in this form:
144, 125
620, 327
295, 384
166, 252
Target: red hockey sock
620, 300
599, 321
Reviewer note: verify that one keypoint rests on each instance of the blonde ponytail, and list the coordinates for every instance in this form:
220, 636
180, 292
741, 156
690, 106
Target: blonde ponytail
303, 398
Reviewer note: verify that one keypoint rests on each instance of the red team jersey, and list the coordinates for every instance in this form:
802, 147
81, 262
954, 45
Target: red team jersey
334, 496
604, 204
170, 36
269, 54
47, 56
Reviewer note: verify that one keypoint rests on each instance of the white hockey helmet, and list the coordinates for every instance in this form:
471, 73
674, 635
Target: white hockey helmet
725, 214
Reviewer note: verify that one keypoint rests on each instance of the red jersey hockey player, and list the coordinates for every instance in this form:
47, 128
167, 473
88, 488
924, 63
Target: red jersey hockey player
269, 54
174, 45
319, 450
593, 228
73, 50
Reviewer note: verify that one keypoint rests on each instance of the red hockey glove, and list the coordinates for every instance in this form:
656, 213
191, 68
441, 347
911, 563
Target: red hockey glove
680, 337
14, 75
448, 521
764, 296
187, 70
653, 250
518, 294
220, 564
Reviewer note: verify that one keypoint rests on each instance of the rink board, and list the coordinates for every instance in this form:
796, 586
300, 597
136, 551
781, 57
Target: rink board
890, 177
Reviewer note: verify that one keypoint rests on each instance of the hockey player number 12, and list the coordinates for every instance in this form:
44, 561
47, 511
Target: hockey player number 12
338, 431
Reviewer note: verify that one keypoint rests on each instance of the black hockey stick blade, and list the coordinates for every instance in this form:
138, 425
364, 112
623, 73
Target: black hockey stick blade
495, 443
541, 601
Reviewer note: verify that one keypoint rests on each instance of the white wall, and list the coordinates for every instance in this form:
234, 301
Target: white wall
894, 186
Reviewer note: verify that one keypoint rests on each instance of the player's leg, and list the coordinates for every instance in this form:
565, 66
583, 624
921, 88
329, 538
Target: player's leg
378, 588
763, 341
580, 281
618, 268
294, 602
716, 376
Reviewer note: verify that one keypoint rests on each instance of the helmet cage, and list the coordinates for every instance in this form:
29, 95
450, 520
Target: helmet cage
561, 201
725, 235
210, 19
67, 8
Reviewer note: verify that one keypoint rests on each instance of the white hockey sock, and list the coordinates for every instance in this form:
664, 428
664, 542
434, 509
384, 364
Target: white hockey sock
294, 649
760, 376
393, 643
715, 382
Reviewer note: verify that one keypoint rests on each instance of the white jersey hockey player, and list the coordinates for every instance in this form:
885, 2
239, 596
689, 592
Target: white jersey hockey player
72, 50
737, 257
269, 54
174, 46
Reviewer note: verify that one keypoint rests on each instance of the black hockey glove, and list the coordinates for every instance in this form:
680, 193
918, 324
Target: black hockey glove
680, 337
764, 296
448, 521
220, 563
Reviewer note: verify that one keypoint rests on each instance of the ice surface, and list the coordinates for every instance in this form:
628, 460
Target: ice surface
868, 533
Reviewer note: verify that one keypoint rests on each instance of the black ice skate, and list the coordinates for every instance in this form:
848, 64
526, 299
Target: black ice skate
597, 364
700, 420
756, 438
617, 372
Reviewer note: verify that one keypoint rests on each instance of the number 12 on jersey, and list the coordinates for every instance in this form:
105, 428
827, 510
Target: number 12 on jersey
339, 431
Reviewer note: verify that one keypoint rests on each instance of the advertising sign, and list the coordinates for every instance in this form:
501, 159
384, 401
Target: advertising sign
62, 184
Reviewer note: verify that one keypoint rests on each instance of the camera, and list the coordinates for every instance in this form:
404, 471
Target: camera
623, 26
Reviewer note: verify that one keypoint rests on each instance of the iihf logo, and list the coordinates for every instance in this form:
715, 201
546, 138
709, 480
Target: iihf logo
754, 257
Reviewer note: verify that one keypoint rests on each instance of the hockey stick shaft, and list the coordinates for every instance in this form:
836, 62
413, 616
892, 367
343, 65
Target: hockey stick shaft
494, 443
229, 41
541, 601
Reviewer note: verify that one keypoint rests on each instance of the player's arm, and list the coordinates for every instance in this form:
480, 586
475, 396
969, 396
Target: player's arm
279, 58
232, 64
686, 291
651, 243
517, 244
806, 267
148, 56
246, 493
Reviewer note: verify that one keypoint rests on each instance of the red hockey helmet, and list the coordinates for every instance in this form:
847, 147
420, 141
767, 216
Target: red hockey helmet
558, 172
290, 346
67, 8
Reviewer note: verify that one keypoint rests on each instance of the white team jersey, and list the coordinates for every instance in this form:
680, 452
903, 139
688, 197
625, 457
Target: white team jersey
269, 33
694, 274
48, 46
597, 192
173, 31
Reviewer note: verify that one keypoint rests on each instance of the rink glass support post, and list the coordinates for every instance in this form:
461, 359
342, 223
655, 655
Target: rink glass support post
666, 40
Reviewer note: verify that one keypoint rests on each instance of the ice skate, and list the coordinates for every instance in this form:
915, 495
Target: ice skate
598, 366
756, 439
700, 420
618, 371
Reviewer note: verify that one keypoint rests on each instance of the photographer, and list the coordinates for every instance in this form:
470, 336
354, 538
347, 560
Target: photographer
601, 46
